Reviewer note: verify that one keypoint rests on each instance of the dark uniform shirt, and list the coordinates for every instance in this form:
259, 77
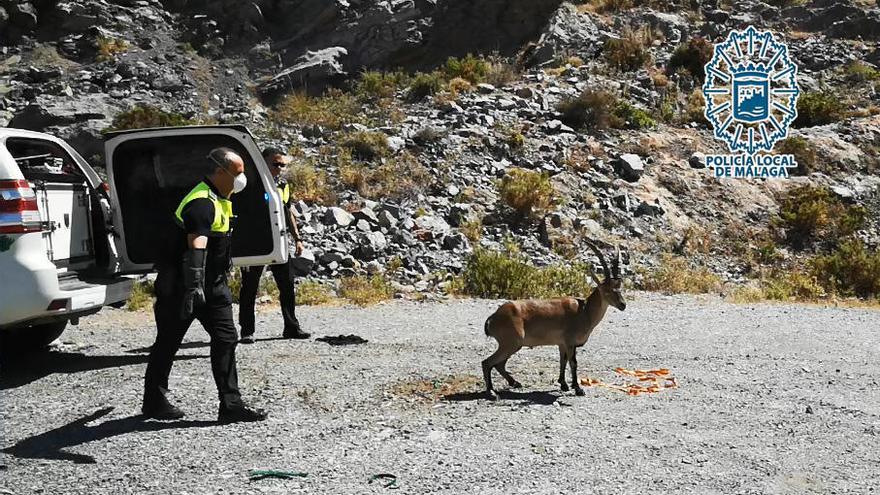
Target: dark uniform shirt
198, 215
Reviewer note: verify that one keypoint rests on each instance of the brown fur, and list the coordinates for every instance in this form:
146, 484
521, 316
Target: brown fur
564, 322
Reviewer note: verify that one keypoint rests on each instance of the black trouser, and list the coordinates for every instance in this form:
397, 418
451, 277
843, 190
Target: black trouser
250, 283
215, 316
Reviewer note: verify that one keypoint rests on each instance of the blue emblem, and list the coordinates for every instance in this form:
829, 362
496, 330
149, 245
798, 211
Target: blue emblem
751, 91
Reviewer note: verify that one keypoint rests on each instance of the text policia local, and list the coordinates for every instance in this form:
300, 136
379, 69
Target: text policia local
750, 166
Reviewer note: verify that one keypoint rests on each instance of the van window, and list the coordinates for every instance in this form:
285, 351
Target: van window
44, 160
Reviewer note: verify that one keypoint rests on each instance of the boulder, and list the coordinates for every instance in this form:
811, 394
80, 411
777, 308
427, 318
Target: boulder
338, 217
313, 70
568, 31
629, 167
697, 160
303, 264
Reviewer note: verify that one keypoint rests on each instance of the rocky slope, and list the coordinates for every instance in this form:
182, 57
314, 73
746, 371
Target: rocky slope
69, 67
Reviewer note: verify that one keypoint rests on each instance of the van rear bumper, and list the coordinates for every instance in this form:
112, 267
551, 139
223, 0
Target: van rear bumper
87, 298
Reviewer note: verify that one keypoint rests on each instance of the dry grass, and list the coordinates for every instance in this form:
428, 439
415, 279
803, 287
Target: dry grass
310, 184
400, 177
313, 293
109, 48
676, 276
141, 297
365, 291
433, 390
333, 110
528, 192
629, 52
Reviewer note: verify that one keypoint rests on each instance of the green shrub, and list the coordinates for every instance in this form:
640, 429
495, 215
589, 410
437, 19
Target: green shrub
811, 213
791, 285
309, 184
676, 276
804, 153
397, 178
819, 108
374, 85
859, 72
632, 117
333, 110
141, 296
364, 291
508, 274
527, 191
850, 270
313, 293
474, 69
590, 110
629, 52
425, 84
366, 145
108, 48
692, 57
145, 116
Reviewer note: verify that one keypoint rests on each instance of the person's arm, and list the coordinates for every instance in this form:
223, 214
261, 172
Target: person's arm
197, 219
296, 237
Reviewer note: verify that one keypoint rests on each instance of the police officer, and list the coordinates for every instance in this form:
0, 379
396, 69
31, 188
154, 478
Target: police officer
283, 273
192, 283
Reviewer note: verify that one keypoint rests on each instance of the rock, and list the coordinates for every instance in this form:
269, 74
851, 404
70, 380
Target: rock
457, 241
363, 226
844, 193
697, 160
386, 219
459, 213
629, 167
809, 410
649, 209
368, 215
370, 244
168, 82
485, 88
673, 26
314, 70
23, 15
303, 263
337, 216
432, 223
374, 267
566, 32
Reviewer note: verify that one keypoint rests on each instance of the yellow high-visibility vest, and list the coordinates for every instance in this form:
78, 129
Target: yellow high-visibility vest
222, 208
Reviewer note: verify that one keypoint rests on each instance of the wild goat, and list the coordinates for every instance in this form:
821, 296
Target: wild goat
565, 322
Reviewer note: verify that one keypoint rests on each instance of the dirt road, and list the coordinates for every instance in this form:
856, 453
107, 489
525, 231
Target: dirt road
771, 399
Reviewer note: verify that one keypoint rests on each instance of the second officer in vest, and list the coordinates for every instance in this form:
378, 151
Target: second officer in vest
192, 284
283, 273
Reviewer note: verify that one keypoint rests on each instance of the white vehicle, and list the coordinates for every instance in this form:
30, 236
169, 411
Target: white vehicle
69, 242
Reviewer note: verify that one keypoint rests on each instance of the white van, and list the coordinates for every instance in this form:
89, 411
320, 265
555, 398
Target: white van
69, 241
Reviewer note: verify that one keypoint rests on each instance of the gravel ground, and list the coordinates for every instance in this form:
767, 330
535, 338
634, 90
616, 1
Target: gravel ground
771, 399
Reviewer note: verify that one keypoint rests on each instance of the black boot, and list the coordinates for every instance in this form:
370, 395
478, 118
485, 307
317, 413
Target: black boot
158, 407
247, 337
295, 333
240, 413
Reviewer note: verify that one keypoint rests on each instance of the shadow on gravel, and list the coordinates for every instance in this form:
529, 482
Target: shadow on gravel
185, 345
21, 370
51, 444
537, 398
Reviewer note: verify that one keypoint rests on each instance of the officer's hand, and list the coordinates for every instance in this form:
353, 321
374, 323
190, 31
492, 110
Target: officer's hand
192, 299
299, 248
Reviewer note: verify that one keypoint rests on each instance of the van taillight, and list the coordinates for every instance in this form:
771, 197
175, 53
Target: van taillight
18, 208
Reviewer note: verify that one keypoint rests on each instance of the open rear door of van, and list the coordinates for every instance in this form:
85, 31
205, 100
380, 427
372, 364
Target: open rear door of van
151, 170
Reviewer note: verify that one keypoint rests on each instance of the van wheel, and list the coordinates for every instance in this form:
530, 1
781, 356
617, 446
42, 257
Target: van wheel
31, 338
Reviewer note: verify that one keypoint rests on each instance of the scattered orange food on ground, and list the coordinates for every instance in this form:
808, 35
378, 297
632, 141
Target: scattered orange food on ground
659, 378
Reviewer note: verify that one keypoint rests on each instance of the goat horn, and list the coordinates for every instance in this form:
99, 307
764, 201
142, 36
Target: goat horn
615, 265
601, 259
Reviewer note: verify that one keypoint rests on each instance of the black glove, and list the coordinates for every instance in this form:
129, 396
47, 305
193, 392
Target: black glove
193, 281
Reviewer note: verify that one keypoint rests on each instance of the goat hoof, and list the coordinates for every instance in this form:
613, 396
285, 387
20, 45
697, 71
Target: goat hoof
516, 385
491, 395
563, 387
578, 391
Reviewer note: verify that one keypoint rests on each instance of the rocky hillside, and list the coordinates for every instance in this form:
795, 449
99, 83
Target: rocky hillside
552, 123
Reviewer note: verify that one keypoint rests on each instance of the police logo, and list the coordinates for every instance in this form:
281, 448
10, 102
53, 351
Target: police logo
751, 92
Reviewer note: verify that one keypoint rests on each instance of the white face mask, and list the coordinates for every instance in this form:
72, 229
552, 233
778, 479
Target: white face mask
238, 181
